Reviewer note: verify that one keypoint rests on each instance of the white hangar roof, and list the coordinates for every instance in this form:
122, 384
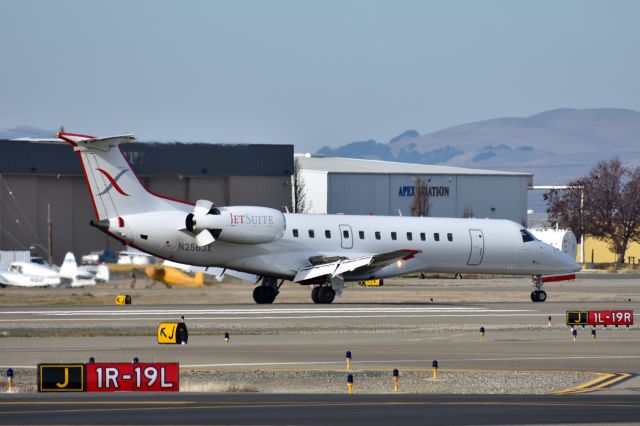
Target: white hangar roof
352, 165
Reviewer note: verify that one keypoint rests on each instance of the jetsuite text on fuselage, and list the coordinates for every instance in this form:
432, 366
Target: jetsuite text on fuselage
249, 219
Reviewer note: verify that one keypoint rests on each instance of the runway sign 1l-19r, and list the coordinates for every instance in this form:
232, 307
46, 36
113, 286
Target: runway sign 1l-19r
154, 377
618, 317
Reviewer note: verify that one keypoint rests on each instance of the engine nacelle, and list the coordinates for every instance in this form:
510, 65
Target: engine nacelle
239, 224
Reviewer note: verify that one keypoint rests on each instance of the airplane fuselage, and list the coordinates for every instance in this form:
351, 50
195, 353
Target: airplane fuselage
444, 244
324, 250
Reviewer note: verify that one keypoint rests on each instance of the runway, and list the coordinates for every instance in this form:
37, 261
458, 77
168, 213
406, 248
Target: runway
242, 409
518, 336
395, 327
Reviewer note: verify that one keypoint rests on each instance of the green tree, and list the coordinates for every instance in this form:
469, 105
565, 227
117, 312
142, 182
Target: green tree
604, 204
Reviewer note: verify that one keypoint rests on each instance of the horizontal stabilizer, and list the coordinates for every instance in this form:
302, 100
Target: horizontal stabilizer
74, 139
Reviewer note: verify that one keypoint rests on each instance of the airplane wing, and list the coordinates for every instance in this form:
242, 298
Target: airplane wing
365, 264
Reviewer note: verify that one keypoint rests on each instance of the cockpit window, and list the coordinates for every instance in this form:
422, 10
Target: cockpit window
526, 236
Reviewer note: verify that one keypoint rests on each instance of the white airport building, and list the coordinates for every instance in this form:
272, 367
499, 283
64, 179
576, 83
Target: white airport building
353, 186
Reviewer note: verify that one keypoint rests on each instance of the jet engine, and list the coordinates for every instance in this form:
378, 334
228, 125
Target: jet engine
236, 224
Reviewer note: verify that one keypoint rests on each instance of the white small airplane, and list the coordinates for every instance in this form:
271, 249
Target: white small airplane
319, 250
30, 274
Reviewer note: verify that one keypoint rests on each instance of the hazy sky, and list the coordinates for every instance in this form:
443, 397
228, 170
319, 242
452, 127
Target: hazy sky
309, 73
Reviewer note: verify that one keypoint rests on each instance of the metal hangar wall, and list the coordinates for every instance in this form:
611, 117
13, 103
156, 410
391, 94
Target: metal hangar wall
353, 186
33, 176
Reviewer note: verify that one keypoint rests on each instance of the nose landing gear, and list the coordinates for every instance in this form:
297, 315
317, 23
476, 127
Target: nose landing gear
538, 295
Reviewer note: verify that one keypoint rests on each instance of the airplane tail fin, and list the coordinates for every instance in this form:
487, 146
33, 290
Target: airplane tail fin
69, 268
115, 189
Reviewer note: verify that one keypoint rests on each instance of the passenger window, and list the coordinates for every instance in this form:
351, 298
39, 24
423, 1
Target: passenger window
450, 237
311, 233
436, 236
423, 236
409, 236
295, 233
526, 236
377, 235
361, 233
345, 233
327, 233
394, 236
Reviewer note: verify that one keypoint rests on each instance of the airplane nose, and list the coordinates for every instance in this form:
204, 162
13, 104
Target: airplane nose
575, 266
570, 263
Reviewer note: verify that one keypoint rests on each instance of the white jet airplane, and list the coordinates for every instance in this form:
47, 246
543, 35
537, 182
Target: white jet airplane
30, 274
319, 250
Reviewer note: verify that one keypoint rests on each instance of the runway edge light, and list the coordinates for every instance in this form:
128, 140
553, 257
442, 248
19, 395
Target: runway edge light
434, 365
9, 379
396, 377
348, 359
350, 383
482, 334
226, 337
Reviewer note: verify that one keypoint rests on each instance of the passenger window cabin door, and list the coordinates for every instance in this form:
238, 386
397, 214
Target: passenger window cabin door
477, 247
346, 237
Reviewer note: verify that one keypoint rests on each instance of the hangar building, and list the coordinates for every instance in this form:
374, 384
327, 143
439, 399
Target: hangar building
353, 186
33, 176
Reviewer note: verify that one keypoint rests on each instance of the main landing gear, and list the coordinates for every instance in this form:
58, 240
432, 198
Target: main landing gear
267, 291
538, 295
323, 294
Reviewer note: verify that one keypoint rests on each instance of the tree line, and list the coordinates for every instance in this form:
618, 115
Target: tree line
604, 204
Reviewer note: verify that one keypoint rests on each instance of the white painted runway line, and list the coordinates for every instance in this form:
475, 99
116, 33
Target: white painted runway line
53, 315
272, 311
189, 318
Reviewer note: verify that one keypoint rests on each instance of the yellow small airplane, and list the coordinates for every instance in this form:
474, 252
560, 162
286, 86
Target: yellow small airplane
174, 277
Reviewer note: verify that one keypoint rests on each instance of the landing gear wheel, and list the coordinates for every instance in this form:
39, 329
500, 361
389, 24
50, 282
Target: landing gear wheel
542, 296
264, 294
314, 295
326, 295
538, 296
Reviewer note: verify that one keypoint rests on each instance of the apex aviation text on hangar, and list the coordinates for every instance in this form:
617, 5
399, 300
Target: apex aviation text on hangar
434, 191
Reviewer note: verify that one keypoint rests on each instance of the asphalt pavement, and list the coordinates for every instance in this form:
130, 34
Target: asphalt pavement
249, 409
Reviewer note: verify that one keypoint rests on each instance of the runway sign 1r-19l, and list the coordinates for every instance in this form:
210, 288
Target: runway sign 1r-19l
153, 377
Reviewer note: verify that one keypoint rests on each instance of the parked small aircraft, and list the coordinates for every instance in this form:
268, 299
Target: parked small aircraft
323, 251
30, 274
174, 277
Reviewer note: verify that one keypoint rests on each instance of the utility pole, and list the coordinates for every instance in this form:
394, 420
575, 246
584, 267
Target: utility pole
50, 235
